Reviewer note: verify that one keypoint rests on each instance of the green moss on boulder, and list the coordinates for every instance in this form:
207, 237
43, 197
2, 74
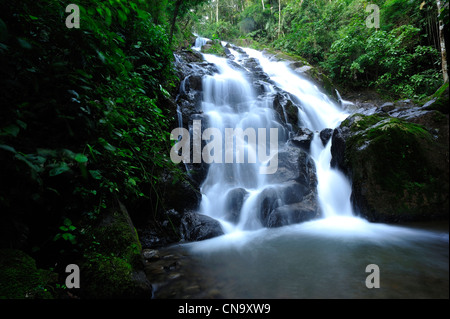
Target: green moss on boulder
398, 169
20, 279
113, 264
439, 101
215, 48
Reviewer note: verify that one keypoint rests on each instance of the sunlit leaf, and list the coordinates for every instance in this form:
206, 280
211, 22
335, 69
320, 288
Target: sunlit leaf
81, 158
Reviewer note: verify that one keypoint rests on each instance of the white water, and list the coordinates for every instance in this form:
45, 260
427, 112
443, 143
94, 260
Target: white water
230, 102
318, 112
324, 258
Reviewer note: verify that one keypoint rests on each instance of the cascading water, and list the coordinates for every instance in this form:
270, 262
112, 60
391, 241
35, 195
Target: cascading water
319, 258
318, 112
230, 102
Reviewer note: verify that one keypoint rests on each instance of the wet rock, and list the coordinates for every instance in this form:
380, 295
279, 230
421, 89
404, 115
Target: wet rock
294, 164
268, 201
303, 138
190, 56
338, 144
387, 107
295, 213
150, 254
286, 108
196, 227
287, 204
235, 200
396, 160
295, 187
325, 135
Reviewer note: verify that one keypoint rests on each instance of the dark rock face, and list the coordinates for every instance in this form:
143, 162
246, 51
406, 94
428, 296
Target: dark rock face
398, 168
294, 213
286, 108
325, 135
303, 138
196, 227
293, 198
183, 195
235, 200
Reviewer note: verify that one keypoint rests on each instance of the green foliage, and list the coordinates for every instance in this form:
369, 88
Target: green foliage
67, 232
394, 61
222, 30
401, 58
84, 117
216, 48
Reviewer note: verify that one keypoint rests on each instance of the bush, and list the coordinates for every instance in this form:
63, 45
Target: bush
84, 117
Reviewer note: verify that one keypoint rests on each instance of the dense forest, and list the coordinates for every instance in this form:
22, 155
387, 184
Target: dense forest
86, 115
401, 56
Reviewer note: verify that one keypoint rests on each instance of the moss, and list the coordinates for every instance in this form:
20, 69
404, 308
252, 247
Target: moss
441, 100
20, 279
106, 277
359, 122
112, 258
216, 49
119, 238
441, 90
391, 167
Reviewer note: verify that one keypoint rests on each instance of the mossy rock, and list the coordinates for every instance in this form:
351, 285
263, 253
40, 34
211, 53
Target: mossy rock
20, 279
113, 264
439, 101
399, 171
215, 48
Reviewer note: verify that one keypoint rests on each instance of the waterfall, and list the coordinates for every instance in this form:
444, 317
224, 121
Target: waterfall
199, 42
322, 250
234, 191
318, 112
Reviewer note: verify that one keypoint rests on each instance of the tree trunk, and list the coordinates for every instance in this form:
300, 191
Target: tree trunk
262, 1
217, 11
442, 42
174, 19
279, 17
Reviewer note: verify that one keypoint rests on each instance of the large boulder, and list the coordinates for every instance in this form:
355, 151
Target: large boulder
112, 265
399, 169
234, 202
299, 212
292, 194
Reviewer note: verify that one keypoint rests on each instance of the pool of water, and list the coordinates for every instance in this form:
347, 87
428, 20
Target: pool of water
320, 259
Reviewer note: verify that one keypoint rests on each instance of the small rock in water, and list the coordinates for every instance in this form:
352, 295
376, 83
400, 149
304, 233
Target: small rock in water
387, 107
150, 254
303, 138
